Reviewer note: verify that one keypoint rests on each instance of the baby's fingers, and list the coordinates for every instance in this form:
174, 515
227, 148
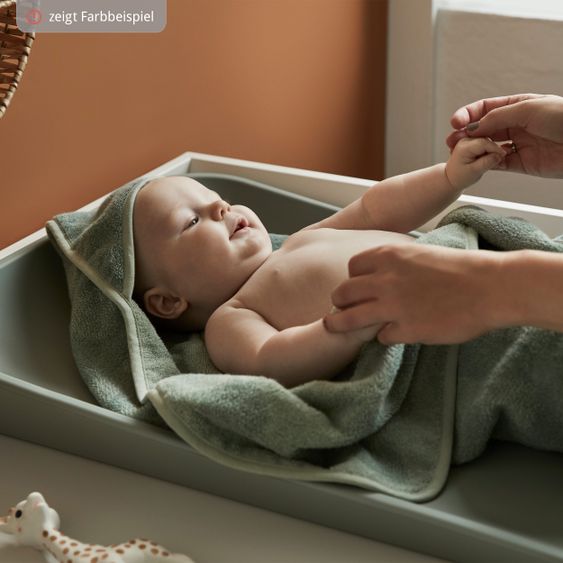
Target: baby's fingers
479, 147
481, 165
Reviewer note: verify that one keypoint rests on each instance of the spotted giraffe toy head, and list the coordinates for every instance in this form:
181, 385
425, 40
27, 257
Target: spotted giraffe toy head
33, 523
27, 520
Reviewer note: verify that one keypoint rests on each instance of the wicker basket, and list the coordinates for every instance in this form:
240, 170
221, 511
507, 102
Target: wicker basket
15, 46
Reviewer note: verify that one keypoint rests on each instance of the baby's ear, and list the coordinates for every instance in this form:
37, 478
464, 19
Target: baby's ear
164, 305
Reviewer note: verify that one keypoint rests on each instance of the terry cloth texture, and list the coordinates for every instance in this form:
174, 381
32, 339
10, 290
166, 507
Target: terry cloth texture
391, 422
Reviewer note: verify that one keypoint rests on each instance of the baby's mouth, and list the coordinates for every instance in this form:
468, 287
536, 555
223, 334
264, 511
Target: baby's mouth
239, 224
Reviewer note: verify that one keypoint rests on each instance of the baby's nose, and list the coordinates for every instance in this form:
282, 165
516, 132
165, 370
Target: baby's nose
220, 209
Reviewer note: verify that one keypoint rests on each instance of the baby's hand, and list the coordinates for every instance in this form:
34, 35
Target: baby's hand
470, 159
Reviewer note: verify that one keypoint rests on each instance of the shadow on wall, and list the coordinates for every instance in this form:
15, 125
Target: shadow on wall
284, 81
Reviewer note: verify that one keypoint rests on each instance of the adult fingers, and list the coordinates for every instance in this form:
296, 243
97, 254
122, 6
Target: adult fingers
454, 137
372, 259
354, 290
359, 316
512, 162
393, 333
477, 110
498, 122
399, 333
364, 262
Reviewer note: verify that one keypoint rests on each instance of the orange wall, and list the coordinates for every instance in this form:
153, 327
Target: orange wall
291, 82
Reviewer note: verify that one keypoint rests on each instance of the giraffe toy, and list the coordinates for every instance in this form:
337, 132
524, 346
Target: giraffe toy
33, 523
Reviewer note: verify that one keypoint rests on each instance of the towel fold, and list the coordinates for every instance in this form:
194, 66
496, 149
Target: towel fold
392, 422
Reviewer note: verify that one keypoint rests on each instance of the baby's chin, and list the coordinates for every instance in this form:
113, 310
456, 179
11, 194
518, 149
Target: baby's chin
252, 243
237, 276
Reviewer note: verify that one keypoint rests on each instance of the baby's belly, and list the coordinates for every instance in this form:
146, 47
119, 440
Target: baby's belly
294, 286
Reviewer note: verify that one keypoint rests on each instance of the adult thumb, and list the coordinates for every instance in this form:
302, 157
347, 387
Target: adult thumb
499, 120
390, 334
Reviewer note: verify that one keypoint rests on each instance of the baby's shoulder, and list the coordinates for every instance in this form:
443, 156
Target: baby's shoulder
222, 319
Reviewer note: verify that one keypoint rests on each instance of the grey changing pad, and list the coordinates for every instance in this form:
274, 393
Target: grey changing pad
386, 425
505, 506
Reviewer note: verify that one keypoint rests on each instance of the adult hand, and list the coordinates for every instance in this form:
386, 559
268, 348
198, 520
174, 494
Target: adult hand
532, 122
426, 294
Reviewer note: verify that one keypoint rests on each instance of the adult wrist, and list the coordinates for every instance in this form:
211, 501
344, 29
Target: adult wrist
501, 279
526, 281
543, 280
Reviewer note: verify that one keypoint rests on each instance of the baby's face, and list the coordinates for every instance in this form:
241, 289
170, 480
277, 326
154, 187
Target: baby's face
195, 245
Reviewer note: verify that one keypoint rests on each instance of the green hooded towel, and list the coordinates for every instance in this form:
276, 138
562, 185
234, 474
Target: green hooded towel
393, 421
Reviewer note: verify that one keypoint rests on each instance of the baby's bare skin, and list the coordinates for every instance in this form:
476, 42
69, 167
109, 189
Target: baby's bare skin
293, 286
204, 263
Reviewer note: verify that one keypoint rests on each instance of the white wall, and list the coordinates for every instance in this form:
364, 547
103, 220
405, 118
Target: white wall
410, 103
480, 55
442, 59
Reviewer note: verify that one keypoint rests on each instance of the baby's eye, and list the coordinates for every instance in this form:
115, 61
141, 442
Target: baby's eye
193, 221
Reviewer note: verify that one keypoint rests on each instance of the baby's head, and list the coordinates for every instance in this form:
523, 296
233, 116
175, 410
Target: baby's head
193, 250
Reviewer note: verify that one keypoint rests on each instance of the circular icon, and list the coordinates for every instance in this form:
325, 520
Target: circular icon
33, 16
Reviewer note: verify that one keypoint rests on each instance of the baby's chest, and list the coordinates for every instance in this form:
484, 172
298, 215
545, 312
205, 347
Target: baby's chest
294, 286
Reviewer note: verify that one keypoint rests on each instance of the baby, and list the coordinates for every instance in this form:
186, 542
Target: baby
204, 263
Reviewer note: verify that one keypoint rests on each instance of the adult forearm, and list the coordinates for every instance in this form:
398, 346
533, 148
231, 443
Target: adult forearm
531, 291
405, 202
303, 353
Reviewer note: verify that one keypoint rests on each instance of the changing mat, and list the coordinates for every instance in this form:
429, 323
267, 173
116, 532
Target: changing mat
391, 422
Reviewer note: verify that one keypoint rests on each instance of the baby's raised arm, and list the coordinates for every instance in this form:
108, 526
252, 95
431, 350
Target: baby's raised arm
241, 341
403, 203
